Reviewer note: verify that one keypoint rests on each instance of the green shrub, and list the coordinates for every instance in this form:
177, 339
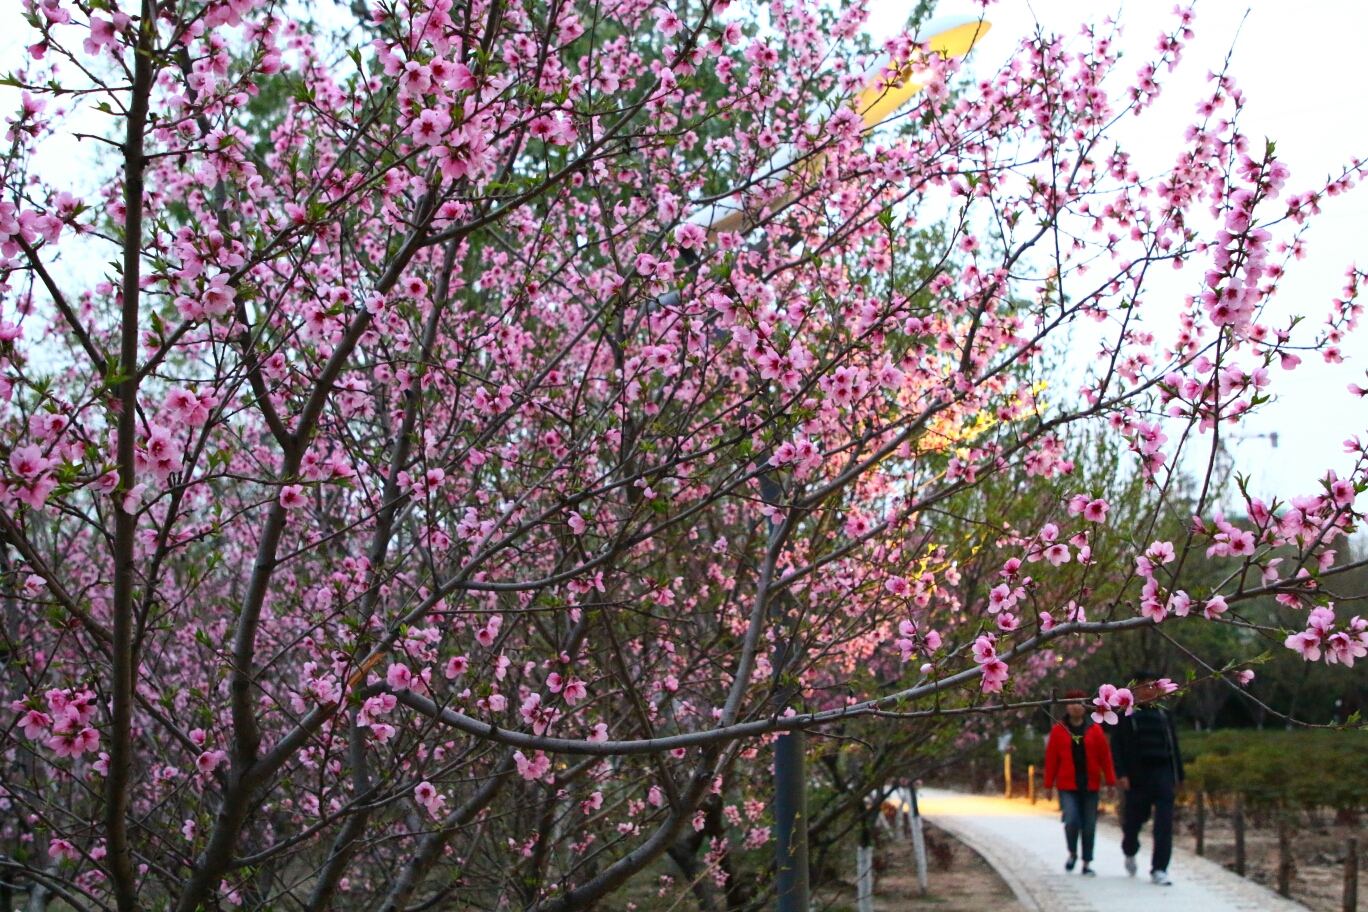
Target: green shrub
1304, 769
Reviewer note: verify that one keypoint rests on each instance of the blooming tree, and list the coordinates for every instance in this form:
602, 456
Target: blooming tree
421, 504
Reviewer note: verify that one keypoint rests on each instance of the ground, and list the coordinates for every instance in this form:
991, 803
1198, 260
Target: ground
959, 880
1318, 847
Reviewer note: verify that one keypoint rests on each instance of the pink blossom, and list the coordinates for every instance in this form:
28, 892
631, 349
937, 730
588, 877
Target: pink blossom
1110, 698
1096, 511
1342, 647
218, 295
1215, 607
667, 22
1001, 598
398, 676
28, 462
1308, 643
426, 794
133, 498
34, 723
292, 497
1161, 552
690, 236
1321, 620
62, 849
208, 761
984, 649
994, 675
575, 691
1245, 677
1342, 490
534, 768
897, 585
1180, 603
74, 744
1153, 609
456, 666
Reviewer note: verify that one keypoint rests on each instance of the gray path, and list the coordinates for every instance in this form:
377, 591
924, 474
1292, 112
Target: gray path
1025, 845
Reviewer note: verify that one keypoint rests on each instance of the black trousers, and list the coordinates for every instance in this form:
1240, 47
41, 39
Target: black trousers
1150, 795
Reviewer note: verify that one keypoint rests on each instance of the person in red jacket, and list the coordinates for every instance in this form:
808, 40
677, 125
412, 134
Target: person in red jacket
1077, 759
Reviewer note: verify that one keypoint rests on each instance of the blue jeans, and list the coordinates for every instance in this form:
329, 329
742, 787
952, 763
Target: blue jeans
1079, 810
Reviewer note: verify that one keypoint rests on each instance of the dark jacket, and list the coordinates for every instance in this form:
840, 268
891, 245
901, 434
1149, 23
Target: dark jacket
1146, 742
1059, 759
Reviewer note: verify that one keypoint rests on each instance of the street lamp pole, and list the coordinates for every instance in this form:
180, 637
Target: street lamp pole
791, 822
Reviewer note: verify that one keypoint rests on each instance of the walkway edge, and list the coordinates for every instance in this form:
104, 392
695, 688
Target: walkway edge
995, 858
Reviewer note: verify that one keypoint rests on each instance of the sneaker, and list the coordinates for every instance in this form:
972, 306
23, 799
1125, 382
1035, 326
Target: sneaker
1160, 879
1069, 865
1130, 865
1088, 871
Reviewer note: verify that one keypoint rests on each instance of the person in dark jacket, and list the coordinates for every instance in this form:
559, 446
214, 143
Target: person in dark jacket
1149, 768
1077, 760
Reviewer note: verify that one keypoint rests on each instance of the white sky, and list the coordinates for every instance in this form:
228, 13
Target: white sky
1305, 76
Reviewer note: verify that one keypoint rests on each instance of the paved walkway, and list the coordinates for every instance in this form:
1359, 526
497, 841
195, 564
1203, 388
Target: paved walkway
1025, 844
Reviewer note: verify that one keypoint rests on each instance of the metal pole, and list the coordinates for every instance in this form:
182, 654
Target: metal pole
791, 822
1201, 822
1285, 862
1007, 773
1351, 876
1030, 782
1239, 835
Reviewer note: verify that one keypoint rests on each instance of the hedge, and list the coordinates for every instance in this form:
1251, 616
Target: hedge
1305, 769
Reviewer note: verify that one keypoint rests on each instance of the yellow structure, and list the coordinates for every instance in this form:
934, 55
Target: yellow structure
949, 36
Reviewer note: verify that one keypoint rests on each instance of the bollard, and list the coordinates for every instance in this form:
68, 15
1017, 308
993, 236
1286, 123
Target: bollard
1201, 822
1007, 773
918, 842
1030, 783
1239, 823
1351, 876
1284, 853
864, 878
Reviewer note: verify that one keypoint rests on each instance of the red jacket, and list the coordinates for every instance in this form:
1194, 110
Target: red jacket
1059, 764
